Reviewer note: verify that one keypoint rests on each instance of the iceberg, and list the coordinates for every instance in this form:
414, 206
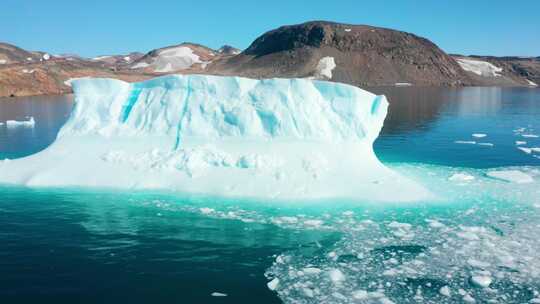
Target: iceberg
220, 136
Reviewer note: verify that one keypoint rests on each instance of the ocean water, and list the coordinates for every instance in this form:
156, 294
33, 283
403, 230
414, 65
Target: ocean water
479, 242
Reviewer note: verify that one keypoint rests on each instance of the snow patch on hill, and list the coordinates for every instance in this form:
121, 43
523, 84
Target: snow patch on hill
170, 60
481, 68
324, 68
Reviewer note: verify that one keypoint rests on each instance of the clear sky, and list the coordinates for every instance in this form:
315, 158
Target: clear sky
98, 27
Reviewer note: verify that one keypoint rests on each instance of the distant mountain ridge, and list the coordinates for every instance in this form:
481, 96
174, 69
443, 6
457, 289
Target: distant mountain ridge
360, 55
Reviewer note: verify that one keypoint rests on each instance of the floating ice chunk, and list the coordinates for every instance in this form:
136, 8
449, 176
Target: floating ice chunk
206, 210
435, 224
520, 143
486, 144
398, 225
526, 150
360, 294
30, 123
461, 177
479, 135
403, 84
336, 275
481, 281
308, 292
218, 294
465, 142
348, 213
468, 298
313, 223
273, 285
477, 263
513, 176
529, 135
531, 83
285, 220
311, 270
445, 291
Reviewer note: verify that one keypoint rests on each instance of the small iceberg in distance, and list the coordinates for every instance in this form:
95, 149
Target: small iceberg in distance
30, 123
221, 136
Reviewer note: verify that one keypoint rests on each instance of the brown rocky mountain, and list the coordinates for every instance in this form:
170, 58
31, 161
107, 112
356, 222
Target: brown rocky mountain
363, 56
10, 54
360, 55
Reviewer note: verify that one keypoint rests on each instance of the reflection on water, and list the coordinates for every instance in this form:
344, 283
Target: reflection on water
49, 112
424, 124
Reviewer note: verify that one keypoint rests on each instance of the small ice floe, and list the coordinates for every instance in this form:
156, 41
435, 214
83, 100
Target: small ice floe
520, 143
347, 30
206, 210
513, 176
336, 276
403, 84
313, 223
273, 285
479, 135
348, 213
445, 291
485, 144
360, 294
465, 142
468, 299
529, 150
218, 294
30, 123
481, 281
311, 270
529, 135
477, 264
435, 223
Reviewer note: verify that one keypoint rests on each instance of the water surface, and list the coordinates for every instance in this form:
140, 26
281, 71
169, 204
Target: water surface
75, 245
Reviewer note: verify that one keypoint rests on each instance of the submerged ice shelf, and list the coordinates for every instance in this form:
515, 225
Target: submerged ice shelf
226, 136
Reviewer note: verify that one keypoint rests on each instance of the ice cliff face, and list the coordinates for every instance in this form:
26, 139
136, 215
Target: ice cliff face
229, 136
210, 107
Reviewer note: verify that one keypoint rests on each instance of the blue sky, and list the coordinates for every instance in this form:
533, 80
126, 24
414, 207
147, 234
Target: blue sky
97, 27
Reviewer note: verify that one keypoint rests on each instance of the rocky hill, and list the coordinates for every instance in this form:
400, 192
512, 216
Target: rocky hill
360, 55
356, 54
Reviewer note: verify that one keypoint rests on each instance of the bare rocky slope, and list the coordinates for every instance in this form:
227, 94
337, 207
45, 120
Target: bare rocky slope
360, 55
363, 56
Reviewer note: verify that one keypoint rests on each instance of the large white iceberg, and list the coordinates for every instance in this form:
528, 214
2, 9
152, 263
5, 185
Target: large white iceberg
225, 136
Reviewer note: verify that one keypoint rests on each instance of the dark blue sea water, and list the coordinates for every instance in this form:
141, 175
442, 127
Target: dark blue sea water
84, 246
